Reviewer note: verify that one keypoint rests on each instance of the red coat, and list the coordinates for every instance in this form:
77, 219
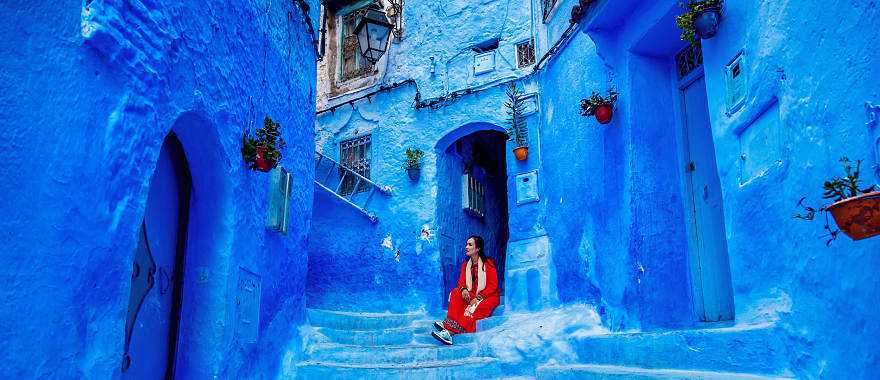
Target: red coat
457, 321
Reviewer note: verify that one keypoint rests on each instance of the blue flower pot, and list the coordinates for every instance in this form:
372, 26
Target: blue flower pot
706, 23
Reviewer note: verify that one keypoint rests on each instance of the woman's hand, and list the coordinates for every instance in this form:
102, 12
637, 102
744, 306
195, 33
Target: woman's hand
466, 296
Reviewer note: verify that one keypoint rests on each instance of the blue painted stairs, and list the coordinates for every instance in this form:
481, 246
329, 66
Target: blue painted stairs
352, 345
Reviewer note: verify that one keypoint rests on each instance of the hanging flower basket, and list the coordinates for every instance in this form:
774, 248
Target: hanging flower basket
602, 107
263, 152
413, 165
858, 217
413, 173
700, 21
521, 153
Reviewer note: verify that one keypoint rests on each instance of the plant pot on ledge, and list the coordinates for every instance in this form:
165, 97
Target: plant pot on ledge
858, 217
413, 173
521, 153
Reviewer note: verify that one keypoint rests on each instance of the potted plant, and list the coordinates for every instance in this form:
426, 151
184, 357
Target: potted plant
413, 164
517, 128
855, 210
701, 19
600, 106
263, 152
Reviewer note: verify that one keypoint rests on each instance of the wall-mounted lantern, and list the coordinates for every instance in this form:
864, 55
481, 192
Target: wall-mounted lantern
373, 31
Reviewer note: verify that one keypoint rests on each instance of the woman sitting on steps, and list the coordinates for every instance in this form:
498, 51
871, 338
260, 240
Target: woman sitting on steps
475, 296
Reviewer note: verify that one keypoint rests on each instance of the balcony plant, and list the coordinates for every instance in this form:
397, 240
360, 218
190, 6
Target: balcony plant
855, 210
517, 128
263, 152
413, 165
701, 19
600, 106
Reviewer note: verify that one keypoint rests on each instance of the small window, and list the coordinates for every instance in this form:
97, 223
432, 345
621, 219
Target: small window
353, 65
735, 82
525, 53
279, 200
689, 59
548, 7
355, 155
472, 195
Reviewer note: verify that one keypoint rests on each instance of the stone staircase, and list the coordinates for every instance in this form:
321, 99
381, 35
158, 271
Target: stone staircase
347, 345
343, 345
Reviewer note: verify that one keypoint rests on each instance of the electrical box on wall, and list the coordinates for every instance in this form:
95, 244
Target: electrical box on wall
527, 187
484, 63
279, 200
735, 82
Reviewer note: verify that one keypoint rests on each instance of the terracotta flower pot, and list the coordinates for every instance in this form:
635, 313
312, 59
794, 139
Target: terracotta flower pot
706, 23
413, 173
521, 153
604, 113
263, 164
858, 217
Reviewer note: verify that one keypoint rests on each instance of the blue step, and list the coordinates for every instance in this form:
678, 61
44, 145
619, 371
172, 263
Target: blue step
572, 372
469, 368
342, 320
353, 354
424, 337
748, 349
396, 336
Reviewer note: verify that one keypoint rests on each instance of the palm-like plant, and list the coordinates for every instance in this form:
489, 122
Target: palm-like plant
517, 128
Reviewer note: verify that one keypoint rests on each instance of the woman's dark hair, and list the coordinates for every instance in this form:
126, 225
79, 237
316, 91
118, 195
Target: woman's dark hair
478, 242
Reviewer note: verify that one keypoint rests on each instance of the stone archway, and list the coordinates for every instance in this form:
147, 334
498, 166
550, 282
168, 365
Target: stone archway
472, 197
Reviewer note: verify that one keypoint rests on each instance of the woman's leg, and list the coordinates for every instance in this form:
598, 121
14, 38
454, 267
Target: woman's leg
456, 322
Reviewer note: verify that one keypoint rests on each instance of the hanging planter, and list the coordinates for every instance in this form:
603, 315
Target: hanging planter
413, 164
517, 128
858, 217
856, 211
602, 107
263, 152
700, 21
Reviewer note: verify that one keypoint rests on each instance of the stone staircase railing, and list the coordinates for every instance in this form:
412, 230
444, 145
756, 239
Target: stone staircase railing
333, 177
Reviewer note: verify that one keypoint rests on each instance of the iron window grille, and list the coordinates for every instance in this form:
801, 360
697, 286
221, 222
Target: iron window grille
355, 154
689, 59
353, 64
548, 7
472, 195
525, 53
279, 200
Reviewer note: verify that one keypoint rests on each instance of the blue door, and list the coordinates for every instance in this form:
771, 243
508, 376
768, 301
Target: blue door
710, 269
154, 304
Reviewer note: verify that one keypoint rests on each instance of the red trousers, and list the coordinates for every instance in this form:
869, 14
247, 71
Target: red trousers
456, 322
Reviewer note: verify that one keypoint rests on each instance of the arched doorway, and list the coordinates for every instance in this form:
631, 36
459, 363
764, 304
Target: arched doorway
472, 199
153, 319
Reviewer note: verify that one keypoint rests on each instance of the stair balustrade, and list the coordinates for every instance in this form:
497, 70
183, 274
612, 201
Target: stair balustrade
347, 184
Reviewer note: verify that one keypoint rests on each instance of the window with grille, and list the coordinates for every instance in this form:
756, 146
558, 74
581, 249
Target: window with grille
353, 64
689, 59
525, 53
548, 7
355, 155
472, 195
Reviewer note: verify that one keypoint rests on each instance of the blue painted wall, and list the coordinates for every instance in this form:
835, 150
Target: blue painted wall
611, 218
90, 90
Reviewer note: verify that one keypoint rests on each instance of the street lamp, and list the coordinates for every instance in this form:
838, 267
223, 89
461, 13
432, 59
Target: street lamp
373, 31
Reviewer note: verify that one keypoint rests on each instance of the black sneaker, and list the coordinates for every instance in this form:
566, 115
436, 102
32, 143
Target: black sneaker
438, 325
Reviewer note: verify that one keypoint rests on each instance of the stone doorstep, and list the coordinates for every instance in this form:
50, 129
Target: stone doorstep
469, 368
389, 354
587, 371
754, 349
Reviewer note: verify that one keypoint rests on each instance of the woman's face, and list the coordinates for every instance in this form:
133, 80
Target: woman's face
470, 249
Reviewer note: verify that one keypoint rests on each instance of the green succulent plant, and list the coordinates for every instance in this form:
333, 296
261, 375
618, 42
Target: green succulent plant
268, 137
685, 21
414, 158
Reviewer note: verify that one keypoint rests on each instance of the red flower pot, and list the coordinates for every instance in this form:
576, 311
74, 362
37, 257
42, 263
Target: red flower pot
521, 153
858, 217
604, 113
263, 164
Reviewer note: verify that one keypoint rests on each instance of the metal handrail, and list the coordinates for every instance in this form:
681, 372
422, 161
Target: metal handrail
334, 167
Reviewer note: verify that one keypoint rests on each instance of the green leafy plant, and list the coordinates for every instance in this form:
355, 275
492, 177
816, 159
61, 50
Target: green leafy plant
268, 138
414, 158
517, 128
685, 21
840, 188
591, 104
836, 189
